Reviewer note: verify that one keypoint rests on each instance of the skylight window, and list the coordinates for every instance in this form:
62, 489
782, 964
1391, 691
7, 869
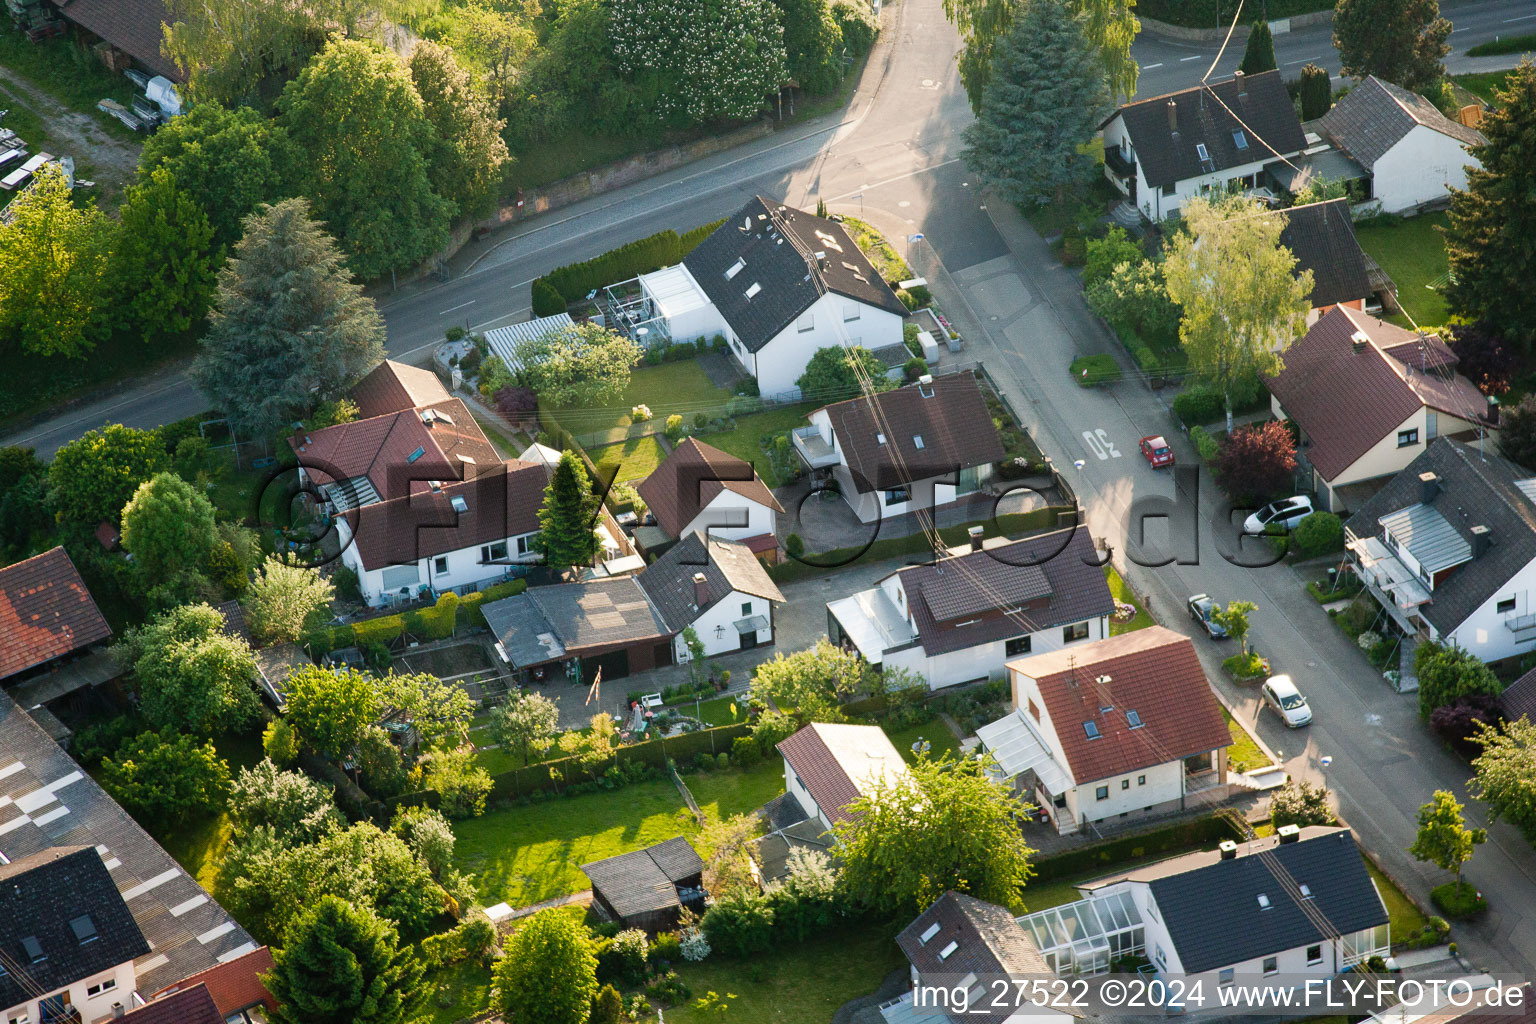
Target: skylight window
1239, 139
948, 951
33, 949
84, 929
1263, 901
735, 268
928, 933
418, 453
1201, 152
879, 439
1092, 730
1133, 718
459, 504
752, 291
1306, 891
917, 440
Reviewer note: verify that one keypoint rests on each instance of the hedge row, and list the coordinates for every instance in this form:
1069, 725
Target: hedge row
556, 290
435, 623
1176, 838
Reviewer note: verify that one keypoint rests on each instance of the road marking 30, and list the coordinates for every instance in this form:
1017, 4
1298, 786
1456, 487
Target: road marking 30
1100, 445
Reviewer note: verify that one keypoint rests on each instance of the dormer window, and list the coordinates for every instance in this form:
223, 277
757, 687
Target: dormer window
753, 290
735, 268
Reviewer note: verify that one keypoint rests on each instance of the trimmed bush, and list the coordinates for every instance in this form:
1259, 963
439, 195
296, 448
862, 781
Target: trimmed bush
1457, 900
1205, 444
1199, 405
547, 300
1320, 533
384, 630
572, 282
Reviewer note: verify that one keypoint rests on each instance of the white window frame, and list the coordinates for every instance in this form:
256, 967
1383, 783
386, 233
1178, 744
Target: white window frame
104, 985
488, 551
440, 565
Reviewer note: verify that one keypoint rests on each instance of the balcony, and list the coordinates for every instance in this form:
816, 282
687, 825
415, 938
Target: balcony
814, 449
1119, 165
1520, 623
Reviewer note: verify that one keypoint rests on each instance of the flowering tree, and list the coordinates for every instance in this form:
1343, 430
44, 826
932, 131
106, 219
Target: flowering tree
698, 62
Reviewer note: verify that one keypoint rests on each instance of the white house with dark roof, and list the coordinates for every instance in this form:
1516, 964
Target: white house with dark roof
777, 283
827, 766
917, 447
1298, 904
1413, 153
1448, 549
699, 488
961, 618
1367, 396
1163, 151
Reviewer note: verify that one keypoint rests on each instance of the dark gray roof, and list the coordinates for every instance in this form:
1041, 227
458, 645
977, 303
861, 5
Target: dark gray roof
50, 802
1064, 558
779, 246
936, 429
1168, 155
1519, 698
1474, 490
988, 941
61, 921
520, 627
727, 566
548, 623
1376, 115
645, 880
1322, 238
1327, 861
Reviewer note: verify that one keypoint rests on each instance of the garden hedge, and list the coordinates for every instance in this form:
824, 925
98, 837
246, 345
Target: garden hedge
1173, 838
571, 283
435, 623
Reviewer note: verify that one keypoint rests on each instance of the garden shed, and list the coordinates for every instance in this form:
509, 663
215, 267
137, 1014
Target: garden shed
648, 888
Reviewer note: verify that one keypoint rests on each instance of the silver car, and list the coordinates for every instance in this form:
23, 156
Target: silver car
1281, 695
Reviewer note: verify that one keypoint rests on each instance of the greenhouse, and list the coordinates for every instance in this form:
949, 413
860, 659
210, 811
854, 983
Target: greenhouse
1087, 936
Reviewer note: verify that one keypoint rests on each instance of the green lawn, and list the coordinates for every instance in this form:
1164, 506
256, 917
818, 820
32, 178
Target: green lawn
499, 439
1484, 83
456, 993
1122, 593
940, 737
1413, 253
679, 387
722, 794
636, 458
1406, 918
799, 984
744, 440
717, 711
1244, 754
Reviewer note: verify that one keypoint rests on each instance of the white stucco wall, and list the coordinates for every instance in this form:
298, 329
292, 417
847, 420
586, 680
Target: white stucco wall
779, 364
724, 614
1385, 458
1131, 793
1484, 634
984, 661
732, 516
1156, 206
1419, 170
89, 1007
465, 572
796, 788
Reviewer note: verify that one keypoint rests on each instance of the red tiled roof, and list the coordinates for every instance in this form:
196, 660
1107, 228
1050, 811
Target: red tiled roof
234, 985
188, 1006
134, 26
824, 776
45, 612
502, 501
1345, 401
396, 387
693, 476
380, 449
1153, 672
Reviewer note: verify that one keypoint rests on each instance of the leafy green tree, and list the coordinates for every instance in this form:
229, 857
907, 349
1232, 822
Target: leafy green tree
294, 806
1443, 838
289, 328
1448, 672
24, 512
467, 155
165, 261
380, 763
1043, 101
459, 780
568, 516
528, 721
1517, 432
1234, 619
283, 597
1134, 299
813, 681
92, 477
1490, 237
1110, 26
547, 973
440, 711
342, 964
1316, 92
1300, 803
190, 674
228, 160
739, 923
279, 742
1243, 301
1505, 776
17, 463
162, 777
703, 62
53, 266
367, 173
1401, 41
1259, 55
331, 708
1107, 253
168, 528
428, 834
582, 364
834, 374
945, 825
813, 44
496, 41
239, 51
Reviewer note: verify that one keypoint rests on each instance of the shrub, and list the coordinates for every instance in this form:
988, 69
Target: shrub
914, 368
722, 760
739, 923
1320, 533
547, 300
1200, 404
858, 25
748, 387
347, 585
666, 949
622, 959
1206, 445
608, 1007
1457, 722
279, 743
1458, 900
517, 403
795, 545
1300, 803
1094, 369
674, 429
1316, 92
669, 989
1245, 666
383, 630
695, 947
744, 751
700, 420
639, 413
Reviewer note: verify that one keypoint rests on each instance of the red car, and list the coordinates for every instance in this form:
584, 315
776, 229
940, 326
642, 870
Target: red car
1157, 451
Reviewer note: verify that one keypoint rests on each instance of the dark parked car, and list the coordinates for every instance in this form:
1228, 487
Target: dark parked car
1203, 610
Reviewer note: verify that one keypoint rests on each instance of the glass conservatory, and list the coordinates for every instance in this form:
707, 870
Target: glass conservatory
1087, 936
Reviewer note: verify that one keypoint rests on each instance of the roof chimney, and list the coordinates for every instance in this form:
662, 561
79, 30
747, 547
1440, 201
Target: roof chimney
975, 534
1482, 540
1288, 833
1360, 339
1492, 415
1173, 117
1242, 83
1228, 849
700, 590
1429, 488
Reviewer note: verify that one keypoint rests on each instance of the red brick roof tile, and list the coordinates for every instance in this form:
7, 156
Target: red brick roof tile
396, 387
45, 612
234, 985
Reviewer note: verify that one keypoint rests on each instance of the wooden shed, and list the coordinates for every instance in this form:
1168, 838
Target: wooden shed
648, 888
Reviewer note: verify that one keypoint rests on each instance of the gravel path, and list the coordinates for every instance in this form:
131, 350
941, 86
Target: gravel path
111, 159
